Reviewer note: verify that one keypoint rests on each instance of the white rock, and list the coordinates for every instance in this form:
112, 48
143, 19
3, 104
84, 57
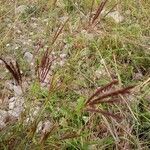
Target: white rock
15, 112
39, 126
36, 111
61, 63
137, 76
17, 90
85, 118
1, 62
3, 115
31, 33
47, 126
9, 85
19, 101
12, 99
32, 113
16, 47
29, 40
1, 101
28, 57
63, 19
100, 72
16, 106
63, 55
116, 16
53, 53
12, 105
18, 31
7, 45
21, 9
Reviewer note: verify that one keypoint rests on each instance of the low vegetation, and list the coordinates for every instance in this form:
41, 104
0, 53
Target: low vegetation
75, 74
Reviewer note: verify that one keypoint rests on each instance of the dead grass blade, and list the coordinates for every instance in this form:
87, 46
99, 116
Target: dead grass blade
14, 70
69, 136
110, 10
59, 31
110, 101
99, 10
91, 10
45, 135
44, 67
19, 72
106, 114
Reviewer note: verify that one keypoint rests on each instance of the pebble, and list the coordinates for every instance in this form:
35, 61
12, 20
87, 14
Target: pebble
17, 90
116, 16
100, 72
137, 76
12, 105
28, 57
3, 115
9, 85
15, 106
46, 126
63, 56
15, 112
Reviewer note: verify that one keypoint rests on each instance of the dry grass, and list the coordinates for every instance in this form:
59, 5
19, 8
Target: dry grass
77, 55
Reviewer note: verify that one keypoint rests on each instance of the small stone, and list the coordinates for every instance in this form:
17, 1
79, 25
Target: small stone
100, 72
85, 118
9, 85
16, 47
12, 99
21, 9
17, 90
1, 62
3, 115
116, 16
61, 63
29, 40
63, 19
11, 105
7, 45
39, 126
1, 101
137, 76
63, 55
46, 126
53, 53
36, 111
18, 31
28, 57
31, 33
15, 112
16, 102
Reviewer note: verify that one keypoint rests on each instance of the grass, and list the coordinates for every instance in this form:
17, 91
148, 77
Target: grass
98, 51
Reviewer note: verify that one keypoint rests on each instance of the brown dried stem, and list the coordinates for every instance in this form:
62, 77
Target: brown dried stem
59, 30
107, 114
14, 70
99, 10
109, 97
101, 89
113, 93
